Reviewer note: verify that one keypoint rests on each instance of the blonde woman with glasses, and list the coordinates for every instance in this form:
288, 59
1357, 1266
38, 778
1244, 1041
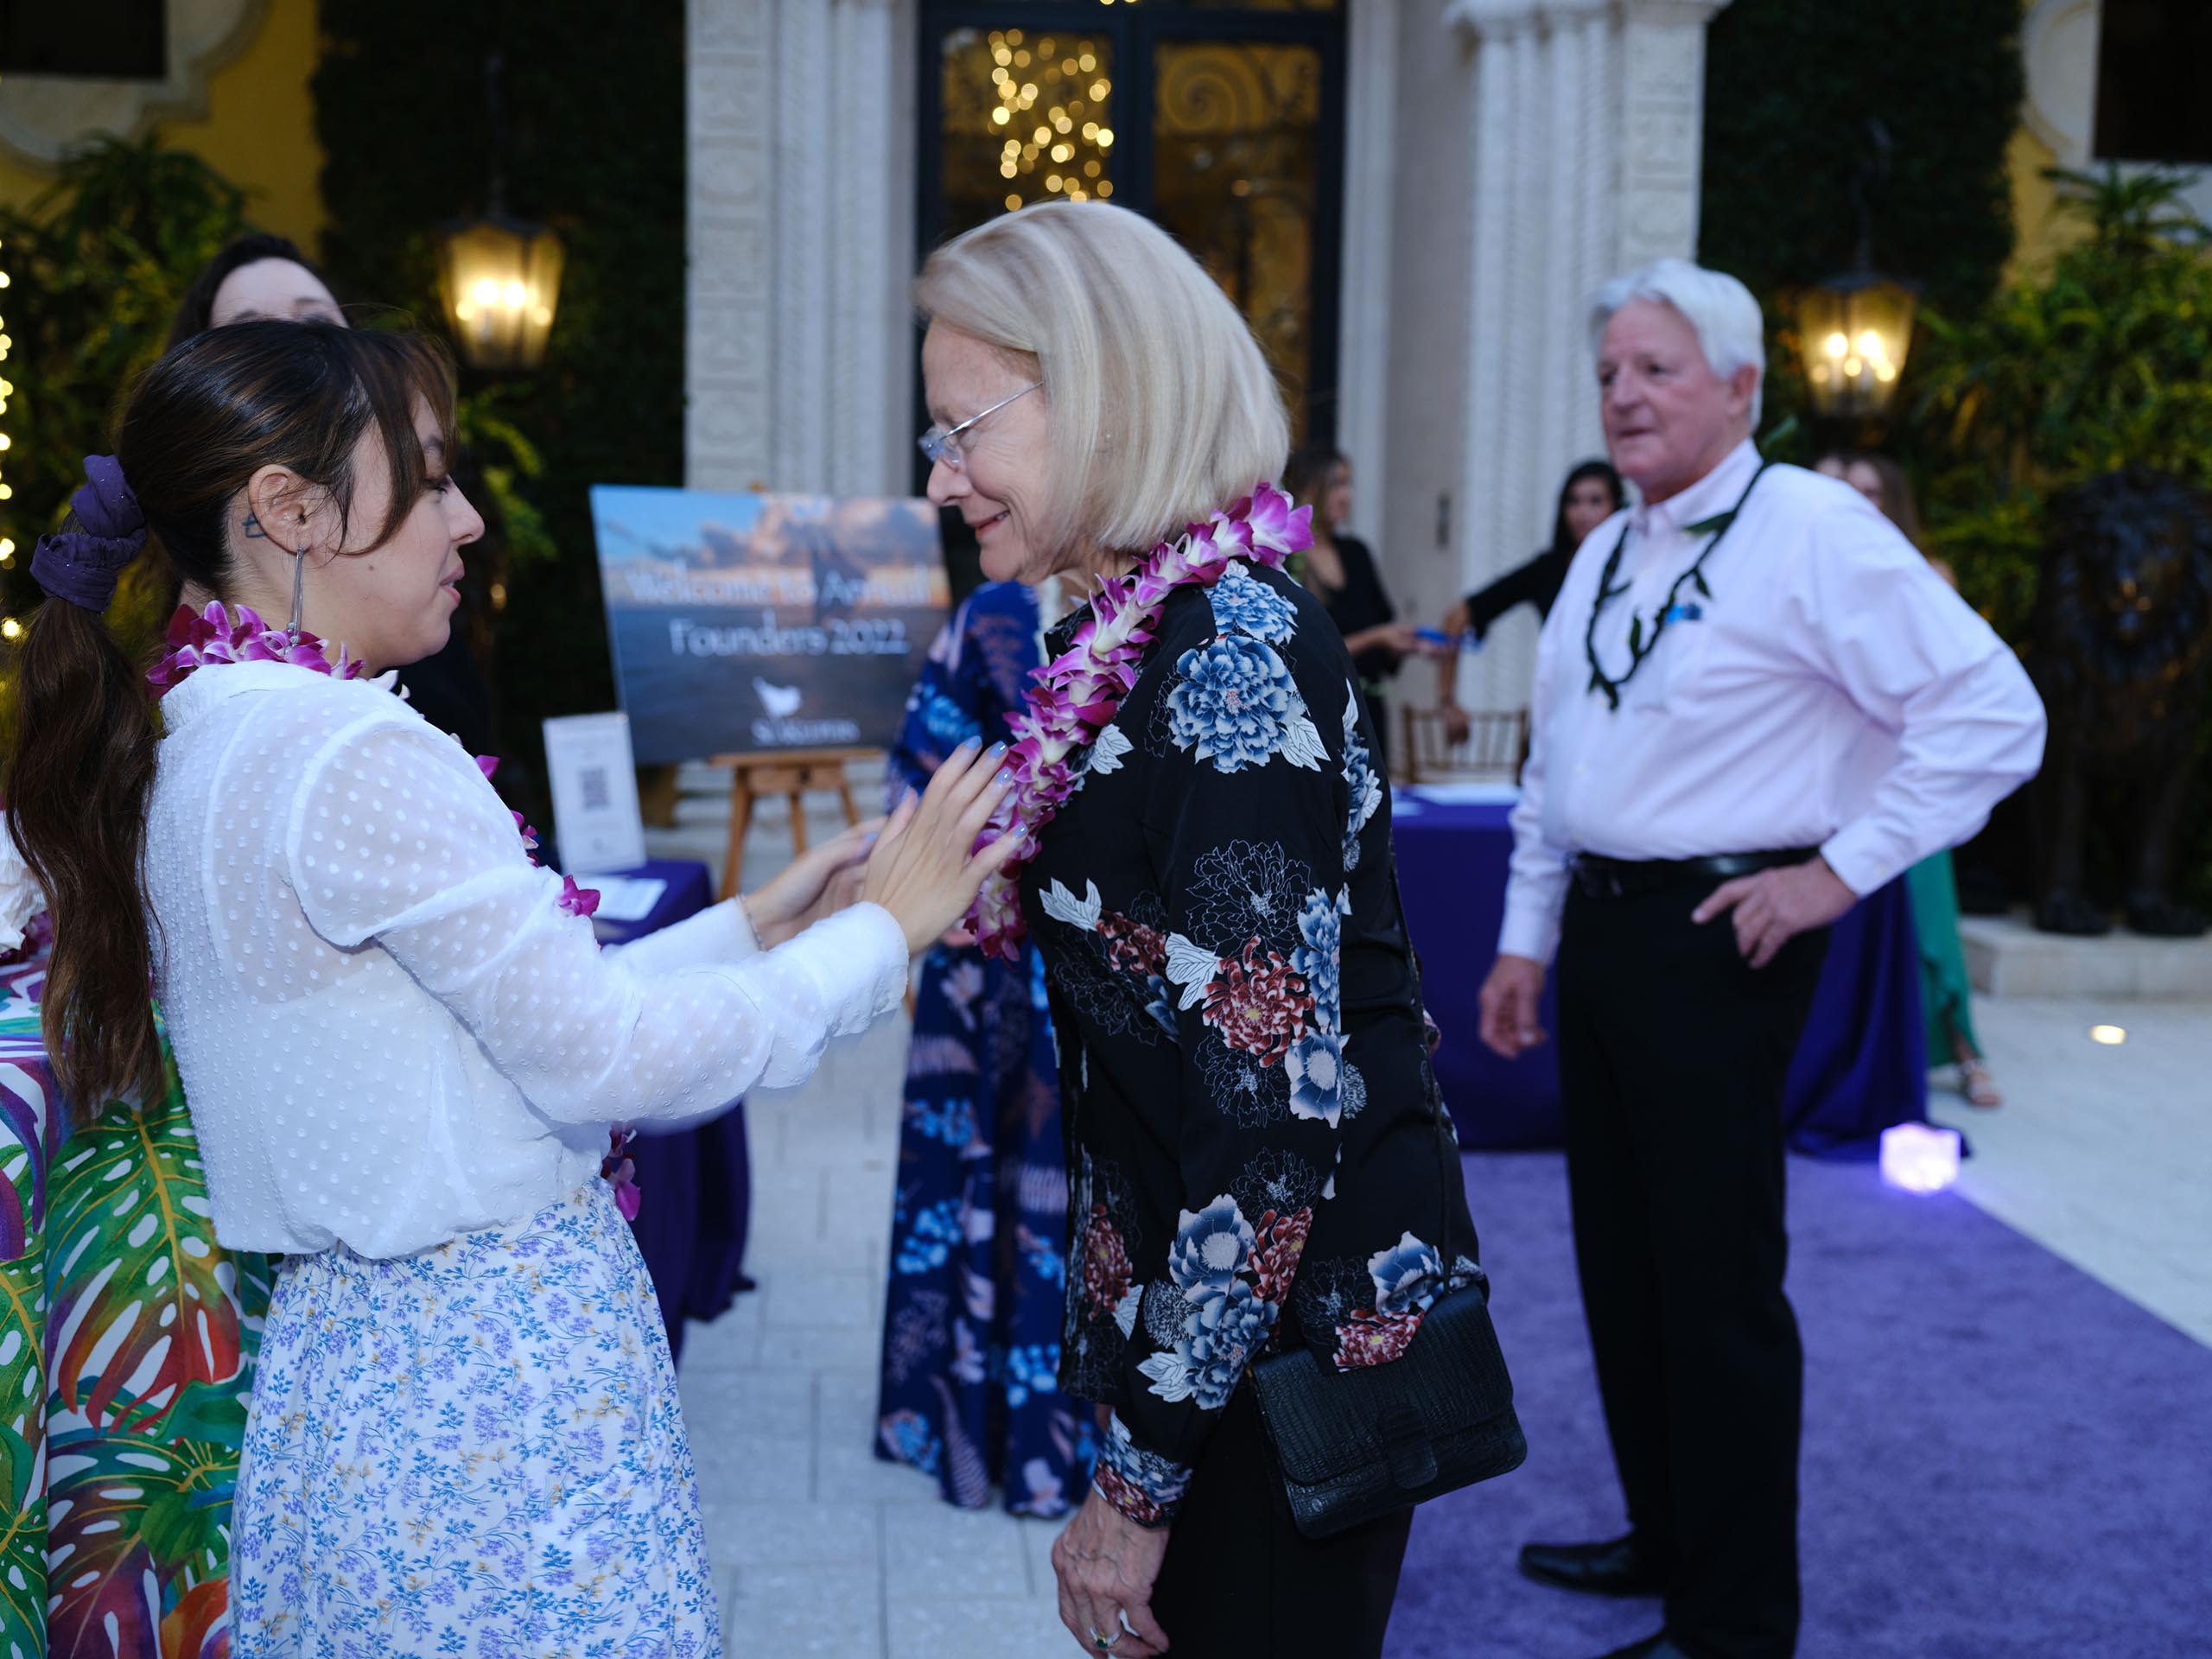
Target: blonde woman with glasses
1255, 1159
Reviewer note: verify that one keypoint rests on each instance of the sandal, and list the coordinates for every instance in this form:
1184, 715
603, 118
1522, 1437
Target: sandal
1977, 1086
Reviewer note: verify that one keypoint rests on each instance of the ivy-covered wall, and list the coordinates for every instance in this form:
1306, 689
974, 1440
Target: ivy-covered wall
595, 97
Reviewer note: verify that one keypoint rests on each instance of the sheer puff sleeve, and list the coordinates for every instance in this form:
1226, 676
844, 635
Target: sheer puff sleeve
396, 842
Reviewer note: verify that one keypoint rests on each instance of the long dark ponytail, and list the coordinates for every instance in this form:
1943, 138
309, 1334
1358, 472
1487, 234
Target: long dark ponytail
197, 426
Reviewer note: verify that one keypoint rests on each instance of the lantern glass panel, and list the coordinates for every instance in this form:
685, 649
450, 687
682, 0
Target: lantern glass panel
1855, 333
502, 283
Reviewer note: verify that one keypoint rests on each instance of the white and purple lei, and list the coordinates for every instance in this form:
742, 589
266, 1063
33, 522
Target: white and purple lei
1075, 696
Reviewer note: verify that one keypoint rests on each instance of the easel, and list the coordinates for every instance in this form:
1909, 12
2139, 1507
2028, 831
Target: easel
793, 774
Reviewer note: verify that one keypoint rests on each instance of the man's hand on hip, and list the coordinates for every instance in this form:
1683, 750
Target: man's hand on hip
1509, 999
1771, 908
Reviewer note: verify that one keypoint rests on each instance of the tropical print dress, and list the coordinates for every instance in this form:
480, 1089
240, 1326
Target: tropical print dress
971, 1335
127, 1344
1256, 1148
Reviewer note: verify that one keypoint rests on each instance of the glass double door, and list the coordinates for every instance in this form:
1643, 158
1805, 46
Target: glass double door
1223, 122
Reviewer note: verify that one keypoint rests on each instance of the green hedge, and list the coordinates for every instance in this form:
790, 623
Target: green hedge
596, 100
1791, 85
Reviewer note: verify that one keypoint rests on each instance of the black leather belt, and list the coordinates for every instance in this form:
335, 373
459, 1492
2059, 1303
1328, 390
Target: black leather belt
1599, 877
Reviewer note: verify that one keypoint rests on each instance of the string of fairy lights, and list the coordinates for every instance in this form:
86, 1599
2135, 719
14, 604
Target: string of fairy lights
1050, 115
10, 629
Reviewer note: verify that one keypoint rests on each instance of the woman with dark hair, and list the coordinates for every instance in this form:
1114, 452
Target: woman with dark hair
1340, 571
1947, 991
401, 1047
1591, 495
257, 276
267, 276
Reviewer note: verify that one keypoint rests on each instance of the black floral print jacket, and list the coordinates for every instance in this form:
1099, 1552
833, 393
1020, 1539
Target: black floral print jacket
1252, 1128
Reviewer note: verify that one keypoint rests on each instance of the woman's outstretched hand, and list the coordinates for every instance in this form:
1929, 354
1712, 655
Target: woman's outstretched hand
921, 871
817, 883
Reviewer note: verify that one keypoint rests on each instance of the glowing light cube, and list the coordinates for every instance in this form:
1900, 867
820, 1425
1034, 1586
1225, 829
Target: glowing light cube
1919, 1157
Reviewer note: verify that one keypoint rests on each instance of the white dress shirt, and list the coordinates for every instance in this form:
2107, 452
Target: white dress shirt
388, 1031
1834, 693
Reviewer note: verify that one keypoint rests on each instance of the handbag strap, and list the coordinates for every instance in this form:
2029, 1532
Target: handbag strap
1447, 1148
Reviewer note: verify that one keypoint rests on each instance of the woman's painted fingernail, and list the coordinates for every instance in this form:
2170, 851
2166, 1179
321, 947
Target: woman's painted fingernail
971, 742
1006, 777
998, 748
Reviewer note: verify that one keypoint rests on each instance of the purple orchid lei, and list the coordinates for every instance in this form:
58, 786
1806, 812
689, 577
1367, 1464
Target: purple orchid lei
1076, 695
216, 635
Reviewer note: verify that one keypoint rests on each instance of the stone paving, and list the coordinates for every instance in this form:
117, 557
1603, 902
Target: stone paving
2102, 1154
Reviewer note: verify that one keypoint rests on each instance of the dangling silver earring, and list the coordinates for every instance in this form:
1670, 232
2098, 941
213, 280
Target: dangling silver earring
299, 592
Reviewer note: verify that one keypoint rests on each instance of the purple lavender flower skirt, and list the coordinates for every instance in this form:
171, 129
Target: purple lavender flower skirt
474, 1450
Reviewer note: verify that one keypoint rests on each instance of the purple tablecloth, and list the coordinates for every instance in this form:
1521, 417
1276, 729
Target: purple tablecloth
1862, 1064
696, 1183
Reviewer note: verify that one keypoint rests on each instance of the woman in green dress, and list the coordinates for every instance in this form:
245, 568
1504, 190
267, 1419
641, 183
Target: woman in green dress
1946, 992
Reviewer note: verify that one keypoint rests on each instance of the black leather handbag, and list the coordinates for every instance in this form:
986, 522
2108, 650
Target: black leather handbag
1355, 1445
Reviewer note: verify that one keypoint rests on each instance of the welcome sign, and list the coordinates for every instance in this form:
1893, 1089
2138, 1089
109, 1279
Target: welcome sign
748, 623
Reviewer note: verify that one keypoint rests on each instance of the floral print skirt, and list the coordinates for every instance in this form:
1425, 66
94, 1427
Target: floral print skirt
476, 1450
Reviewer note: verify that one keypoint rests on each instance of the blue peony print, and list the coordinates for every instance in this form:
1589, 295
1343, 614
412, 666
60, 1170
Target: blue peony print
936, 1230
1320, 947
1226, 1332
1235, 705
911, 1440
1159, 1004
1241, 601
1360, 778
1158, 1480
952, 1121
1211, 1248
947, 724
1407, 1275
1315, 1067
1031, 1368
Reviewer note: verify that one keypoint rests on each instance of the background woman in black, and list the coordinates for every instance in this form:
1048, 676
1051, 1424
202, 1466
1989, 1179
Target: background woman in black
1591, 495
1339, 570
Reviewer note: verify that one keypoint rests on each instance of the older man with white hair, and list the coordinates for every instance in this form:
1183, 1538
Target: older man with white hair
1754, 703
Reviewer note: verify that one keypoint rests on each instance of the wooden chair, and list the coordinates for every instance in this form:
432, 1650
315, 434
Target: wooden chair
1496, 744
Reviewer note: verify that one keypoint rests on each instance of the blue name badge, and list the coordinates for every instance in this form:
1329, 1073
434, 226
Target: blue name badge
1688, 610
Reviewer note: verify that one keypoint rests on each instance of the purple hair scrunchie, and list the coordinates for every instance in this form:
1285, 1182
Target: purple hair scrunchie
84, 564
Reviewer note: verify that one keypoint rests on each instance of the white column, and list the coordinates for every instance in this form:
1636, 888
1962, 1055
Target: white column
872, 166
1663, 140
799, 356
1364, 327
729, 341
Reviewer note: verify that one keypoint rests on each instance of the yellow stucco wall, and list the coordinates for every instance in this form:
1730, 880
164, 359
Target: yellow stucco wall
258, 132
2038, 233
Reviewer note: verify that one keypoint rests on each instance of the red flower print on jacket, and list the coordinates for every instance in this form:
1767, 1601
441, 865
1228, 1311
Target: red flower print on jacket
1375, 1338
1106, 1273
1281, 1240
1259, 1004
1131, 946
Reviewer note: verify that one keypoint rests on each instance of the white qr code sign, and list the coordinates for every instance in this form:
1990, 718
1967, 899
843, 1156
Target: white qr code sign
596, 825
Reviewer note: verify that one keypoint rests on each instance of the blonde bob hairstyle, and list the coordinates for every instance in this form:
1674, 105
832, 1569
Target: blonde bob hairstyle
1162, 408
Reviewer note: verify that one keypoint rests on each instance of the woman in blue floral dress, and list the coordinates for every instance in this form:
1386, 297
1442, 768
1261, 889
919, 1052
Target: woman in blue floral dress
971, 1327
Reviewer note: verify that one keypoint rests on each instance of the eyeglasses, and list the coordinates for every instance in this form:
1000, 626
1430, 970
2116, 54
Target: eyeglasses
942, 444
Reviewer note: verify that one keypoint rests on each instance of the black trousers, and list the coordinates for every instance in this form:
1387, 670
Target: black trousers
1242, 1582
1673, 1053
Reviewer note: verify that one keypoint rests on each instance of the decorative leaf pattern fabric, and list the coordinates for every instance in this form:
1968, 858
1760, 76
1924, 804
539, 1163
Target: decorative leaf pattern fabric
1251, 1117
126, 1347
970, 1389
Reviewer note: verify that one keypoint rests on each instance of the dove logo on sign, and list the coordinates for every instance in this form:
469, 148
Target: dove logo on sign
782, 730
780, 701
